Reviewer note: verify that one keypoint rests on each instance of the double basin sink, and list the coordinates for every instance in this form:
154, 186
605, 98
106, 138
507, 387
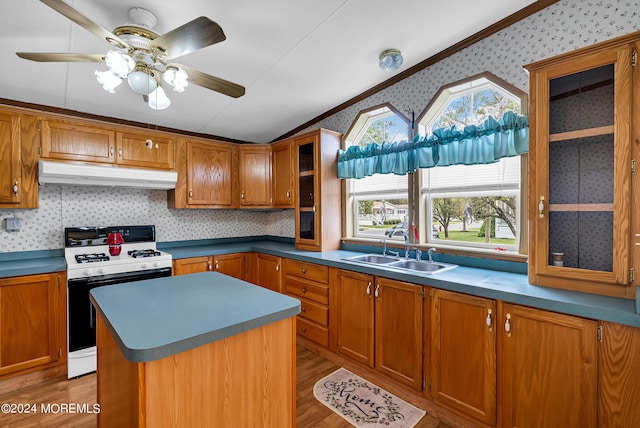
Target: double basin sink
421, 266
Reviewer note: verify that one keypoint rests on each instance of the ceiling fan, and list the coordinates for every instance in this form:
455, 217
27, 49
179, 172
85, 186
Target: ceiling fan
143, 57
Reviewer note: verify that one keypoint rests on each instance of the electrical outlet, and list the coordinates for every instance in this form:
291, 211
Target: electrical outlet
12, 224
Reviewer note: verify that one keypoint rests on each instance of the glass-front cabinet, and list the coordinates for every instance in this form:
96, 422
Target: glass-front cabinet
318, 203
581, 170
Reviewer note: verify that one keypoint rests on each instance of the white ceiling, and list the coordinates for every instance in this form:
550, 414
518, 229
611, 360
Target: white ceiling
297, 59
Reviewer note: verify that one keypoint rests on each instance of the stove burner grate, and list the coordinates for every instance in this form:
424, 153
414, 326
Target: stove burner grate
143, 253
90, 258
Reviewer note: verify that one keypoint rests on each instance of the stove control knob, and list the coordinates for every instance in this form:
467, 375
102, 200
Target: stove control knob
101, 270
144, 265
156, 264
85, 272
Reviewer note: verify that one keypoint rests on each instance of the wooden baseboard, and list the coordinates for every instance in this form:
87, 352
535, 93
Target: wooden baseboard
414, 397
16, 382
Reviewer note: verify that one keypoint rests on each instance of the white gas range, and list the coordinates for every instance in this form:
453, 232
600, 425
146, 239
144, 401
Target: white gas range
90, 265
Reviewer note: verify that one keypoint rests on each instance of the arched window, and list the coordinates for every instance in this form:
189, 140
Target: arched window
472, 205
377, 206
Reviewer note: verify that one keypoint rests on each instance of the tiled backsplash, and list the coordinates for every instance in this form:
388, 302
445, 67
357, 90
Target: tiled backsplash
66, 206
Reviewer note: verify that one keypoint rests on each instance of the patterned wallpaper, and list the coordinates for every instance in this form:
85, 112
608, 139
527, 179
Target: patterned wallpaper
562, 27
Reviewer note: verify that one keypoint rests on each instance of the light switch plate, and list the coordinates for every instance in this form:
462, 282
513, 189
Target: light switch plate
12, 224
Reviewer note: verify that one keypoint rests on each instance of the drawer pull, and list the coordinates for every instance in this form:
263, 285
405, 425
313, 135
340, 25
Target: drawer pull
304, 309
488, 320
377, 292
278, 267
507, 325
369, 288
304, 270
304, 290
304, 329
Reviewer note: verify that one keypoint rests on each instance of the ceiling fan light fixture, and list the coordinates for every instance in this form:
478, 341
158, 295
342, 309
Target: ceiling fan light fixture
119, 63
142, 80
108, 80
158, 99
390, 60
177, 78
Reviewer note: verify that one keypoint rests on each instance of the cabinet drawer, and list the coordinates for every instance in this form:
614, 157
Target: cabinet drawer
312, 331
307, 289
306, 270
314, 312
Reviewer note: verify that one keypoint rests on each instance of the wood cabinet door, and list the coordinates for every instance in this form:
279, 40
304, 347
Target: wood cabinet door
463, 354
230, 264
268, 271
548, 369
191, 265
209, 174
11, 172
281, 175
30, 317
619, 376
255, 175
355, 312
145, 150
398, 330
78, 141
307, 206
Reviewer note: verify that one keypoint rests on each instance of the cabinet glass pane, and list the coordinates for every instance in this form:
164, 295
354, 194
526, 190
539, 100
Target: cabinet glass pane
307, 226
581, 170
305, 192
305, 157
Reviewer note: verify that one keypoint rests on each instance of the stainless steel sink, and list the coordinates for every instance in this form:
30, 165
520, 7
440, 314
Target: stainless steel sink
377, 259
423, 266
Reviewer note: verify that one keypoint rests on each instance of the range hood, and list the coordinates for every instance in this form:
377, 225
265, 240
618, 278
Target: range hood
75, 174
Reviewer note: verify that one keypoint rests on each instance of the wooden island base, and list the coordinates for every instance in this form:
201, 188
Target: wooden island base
244, 380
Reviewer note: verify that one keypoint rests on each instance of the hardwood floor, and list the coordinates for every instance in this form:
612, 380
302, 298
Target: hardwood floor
81, 392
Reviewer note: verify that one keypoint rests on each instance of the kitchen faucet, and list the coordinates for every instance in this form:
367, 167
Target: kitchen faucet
384, 246
431, 251
406, 243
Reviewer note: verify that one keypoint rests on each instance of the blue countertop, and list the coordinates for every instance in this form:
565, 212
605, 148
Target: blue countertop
512, 287
156, 318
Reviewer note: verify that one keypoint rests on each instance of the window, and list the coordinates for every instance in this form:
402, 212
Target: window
474, 206
378, 203
471, 205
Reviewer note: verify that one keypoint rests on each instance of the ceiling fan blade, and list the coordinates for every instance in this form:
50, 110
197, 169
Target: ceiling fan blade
61, 57
194, 35
66, 10
214, 83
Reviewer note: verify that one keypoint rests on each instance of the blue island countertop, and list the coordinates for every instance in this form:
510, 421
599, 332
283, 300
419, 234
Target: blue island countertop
156, 318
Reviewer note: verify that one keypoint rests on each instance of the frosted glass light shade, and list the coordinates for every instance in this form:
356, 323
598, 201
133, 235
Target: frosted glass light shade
142, 83
390, 60
158, 99
177, 78
119, 64
108, 80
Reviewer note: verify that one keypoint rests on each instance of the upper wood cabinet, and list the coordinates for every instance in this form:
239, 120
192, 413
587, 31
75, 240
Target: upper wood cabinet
32, 319
581, 179
282, 186
547, 369
82, 141
205, 175
79, 141
145, 150
462, 376
318, 204
19, 141
254, 175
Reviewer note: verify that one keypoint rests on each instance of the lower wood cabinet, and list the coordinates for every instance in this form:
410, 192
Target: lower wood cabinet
32, 322
379, 324
618, 376
265, 270
228, 264
462, 376
547, 369
309, 283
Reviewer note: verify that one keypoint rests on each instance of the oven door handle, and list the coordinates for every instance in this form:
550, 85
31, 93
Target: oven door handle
92, 316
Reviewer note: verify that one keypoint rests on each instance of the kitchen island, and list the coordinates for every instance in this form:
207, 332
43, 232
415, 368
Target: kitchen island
195, 350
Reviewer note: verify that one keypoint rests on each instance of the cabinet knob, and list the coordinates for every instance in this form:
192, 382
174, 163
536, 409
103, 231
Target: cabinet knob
541, 207
190, 193
377, 292
278, 267
15, 188
488, 320
111, 151
304, 329
119, 152
209, 266
369, 288
242, 195
217, 266
288, 194
303, 309
304, 290
304, 270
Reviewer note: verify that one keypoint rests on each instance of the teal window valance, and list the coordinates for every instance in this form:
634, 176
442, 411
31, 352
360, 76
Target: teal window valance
482, 144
